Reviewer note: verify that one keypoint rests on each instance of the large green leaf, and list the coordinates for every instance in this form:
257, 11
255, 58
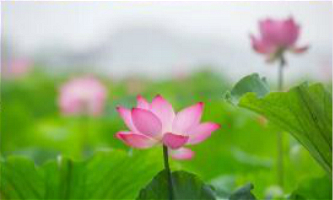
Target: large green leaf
185, 186
315, 188
304, 111
107, 175
189, 186
20, 179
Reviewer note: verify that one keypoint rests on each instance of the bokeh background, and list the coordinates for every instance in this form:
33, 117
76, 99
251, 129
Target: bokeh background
161, 39
186, 51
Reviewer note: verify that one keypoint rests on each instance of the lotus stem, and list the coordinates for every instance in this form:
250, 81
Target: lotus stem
279, 140
167, 169
280, 74
84, 128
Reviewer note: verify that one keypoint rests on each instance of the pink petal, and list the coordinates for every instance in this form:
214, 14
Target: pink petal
299, 50
187, 118
174, 141
271, 31
181, 154
268, 31
261, 47
146, 122
126, 116
164, 111
142, 103
201, 132
289, 32
266, 26
280, 33
136, 140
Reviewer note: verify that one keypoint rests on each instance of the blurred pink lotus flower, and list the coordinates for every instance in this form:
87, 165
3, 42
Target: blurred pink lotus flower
276, 37
156, 123
84, 95
16, 68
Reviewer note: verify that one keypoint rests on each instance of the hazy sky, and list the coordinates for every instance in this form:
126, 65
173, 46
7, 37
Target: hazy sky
30, 25
81, 23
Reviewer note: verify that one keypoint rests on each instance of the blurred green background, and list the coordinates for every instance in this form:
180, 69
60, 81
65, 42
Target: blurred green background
242, 151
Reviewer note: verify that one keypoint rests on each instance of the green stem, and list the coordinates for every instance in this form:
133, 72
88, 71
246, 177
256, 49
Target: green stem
280, 134
280, 158
84, 133
280, 74
167, 169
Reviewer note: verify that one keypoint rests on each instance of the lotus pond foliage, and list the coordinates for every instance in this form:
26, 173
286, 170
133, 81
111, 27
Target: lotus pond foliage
49, 150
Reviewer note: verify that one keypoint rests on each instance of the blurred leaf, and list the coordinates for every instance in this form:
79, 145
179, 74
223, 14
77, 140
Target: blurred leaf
243, 193
295, 196
223, 185
185, 186
316, 188
304, 111
107, 175
24, 102
252, 83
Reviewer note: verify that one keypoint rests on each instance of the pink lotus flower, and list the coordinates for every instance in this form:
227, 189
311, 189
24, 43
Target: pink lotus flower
157, 123
84, 95
16, 68
276, 37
